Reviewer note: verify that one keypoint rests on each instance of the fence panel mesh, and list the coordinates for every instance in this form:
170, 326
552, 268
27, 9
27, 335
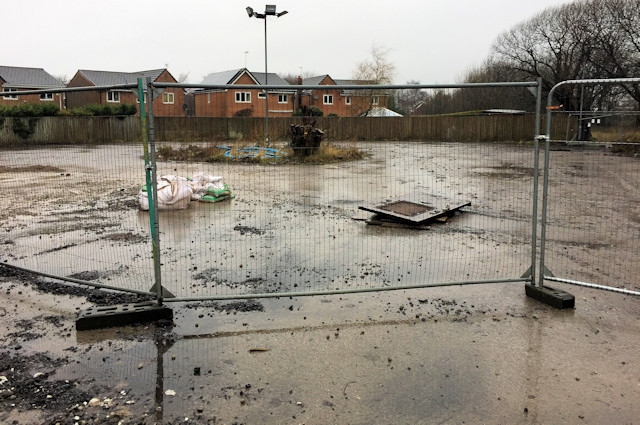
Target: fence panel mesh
71, 211
593, 219
289, 228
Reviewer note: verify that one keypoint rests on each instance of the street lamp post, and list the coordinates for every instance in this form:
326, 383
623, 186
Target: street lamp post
270, 10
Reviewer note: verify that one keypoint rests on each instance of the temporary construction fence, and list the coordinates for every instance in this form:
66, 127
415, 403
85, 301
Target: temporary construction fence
291, 228
590, 227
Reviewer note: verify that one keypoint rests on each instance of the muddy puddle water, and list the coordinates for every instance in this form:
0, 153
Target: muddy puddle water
460, 354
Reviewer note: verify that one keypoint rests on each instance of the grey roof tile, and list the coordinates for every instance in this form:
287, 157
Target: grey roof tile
223, 77
109, 78
314, 81
32, 78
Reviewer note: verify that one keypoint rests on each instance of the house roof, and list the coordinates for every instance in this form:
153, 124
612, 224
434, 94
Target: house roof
109, 78
314, 81
27, 78
352, 82
378, 111
224, 77
232, 75
273, 79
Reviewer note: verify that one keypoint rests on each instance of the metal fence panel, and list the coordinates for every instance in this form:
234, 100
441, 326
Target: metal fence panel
292, 228
593, 220
71, 211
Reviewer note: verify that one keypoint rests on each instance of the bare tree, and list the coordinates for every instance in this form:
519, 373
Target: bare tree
579, 40
409, 100
376, 69
62, 79
292, 78
183, 77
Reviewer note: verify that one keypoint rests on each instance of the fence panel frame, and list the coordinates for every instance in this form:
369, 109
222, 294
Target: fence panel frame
149, 129
545, 274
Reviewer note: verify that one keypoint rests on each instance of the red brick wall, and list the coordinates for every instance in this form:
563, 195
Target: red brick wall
31, 98
223, 103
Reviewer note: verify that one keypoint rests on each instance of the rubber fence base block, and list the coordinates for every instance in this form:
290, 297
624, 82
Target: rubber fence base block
122, 315
553, 297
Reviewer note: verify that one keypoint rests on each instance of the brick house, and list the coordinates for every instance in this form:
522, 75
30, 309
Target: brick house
13, 78
340, 101
229, 103
170, 103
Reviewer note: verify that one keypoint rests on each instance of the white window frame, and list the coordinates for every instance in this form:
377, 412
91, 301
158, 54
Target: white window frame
327, 99
347, 100
113, 96
283, 98
262, 95
168, 98
243, 97
11, 96
144, 95
46, 97
375, 100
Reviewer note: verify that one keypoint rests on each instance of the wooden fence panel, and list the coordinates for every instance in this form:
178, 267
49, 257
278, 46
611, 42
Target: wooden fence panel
68, 129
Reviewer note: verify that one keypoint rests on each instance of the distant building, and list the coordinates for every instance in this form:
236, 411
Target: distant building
337, 100
170, 102
13, 78
242, 102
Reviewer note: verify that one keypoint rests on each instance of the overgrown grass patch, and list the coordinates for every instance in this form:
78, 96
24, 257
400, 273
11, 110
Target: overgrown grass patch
326, 153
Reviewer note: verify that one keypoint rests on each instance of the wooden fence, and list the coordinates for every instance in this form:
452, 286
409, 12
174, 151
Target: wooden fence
64, 130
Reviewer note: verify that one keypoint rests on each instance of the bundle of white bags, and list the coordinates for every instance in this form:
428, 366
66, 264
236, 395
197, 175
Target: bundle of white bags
175, 192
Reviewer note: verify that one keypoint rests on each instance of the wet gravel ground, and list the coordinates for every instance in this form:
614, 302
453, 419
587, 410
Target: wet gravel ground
444, 355
473, 354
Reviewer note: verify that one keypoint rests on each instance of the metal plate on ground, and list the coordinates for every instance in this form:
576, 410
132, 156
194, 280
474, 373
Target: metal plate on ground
412, 211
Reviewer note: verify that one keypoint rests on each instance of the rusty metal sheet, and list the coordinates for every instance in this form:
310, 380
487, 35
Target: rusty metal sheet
412, 211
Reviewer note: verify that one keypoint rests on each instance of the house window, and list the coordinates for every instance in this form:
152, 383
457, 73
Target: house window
327, 99
243, 97
375, 100
262, 95
113, 96
46, 97
145, 98
167, 98
282, 98
10, 96
347, 100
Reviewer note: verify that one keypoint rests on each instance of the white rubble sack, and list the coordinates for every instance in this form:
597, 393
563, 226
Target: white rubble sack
201, 183
174, 193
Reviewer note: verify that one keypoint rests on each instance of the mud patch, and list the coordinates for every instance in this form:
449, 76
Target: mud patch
626, 149
126, 237
27, 384
246, 230
505, 171
231, 307
31, 169
96, 296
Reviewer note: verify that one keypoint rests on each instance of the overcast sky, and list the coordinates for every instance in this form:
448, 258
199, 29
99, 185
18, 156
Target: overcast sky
431, 41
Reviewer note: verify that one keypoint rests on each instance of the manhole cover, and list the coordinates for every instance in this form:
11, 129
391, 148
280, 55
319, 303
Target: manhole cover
407, 208
415, 212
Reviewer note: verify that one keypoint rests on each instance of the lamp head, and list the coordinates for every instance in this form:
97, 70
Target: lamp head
270, 9
284, 12
250, 11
